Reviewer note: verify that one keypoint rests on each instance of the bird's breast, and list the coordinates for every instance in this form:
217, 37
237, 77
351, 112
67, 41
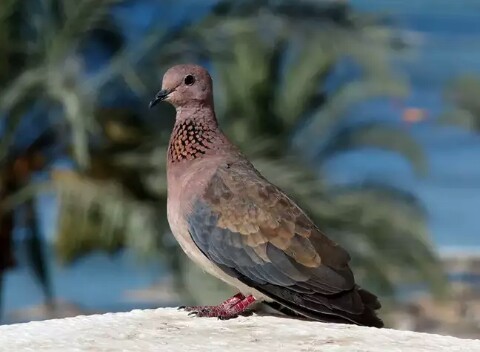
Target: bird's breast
186, 184
185, 187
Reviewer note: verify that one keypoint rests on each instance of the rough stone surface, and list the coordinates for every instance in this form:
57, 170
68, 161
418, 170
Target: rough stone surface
172, 330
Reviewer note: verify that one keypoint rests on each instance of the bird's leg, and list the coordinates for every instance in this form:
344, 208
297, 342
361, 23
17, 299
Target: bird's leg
225, 312
226, 304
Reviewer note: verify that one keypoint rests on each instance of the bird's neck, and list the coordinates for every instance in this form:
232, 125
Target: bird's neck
195, 134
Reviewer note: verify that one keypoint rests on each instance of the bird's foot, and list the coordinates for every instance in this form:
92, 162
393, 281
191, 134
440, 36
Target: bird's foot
226, 304
231, 308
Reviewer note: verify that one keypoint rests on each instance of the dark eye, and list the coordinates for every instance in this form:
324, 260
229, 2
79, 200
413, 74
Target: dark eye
189, 80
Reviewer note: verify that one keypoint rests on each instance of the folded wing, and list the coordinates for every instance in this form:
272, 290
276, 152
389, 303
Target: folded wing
254, 232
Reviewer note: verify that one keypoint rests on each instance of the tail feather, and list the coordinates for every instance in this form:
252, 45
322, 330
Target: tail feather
320, 309
369, 299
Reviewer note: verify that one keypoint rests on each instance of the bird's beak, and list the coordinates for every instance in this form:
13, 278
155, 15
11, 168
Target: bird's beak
161, 95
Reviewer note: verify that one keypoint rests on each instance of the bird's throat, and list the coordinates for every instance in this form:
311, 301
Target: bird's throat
192, 137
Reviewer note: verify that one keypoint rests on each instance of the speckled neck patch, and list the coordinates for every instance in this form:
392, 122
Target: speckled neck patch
190, 140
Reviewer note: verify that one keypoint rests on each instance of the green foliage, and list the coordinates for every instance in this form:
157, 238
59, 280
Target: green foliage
46, 49
37, 64
104, 215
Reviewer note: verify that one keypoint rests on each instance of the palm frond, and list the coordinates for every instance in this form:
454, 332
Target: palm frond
7, 9
310, 66
89, 208
20, 87
391, 226
78, 18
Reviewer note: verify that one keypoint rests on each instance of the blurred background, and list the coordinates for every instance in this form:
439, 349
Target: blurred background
364, 111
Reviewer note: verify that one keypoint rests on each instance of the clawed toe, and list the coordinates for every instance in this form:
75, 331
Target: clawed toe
197, 313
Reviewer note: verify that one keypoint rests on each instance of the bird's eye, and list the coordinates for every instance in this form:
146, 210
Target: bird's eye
189, 80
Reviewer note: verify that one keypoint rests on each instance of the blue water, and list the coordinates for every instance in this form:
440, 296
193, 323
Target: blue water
96, 283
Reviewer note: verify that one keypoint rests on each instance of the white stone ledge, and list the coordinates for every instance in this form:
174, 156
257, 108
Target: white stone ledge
172, 330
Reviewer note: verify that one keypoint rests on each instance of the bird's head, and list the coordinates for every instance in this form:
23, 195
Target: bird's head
185, 85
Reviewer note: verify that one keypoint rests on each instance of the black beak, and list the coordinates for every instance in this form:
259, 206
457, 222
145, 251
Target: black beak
159, 97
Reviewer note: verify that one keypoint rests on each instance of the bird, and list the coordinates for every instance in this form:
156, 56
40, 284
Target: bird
239, 227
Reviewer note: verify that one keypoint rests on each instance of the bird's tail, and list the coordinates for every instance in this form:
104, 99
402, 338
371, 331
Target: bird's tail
322, 310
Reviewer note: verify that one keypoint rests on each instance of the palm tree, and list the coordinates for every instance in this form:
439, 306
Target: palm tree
271, 84
42, 73
42, 70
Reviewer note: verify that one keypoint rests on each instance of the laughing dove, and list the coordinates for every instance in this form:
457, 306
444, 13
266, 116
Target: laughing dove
239, 227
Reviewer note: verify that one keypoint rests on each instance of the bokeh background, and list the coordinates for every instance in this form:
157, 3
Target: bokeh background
367, 112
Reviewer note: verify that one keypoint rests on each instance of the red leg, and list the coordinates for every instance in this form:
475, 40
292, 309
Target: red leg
226, 304
227, 312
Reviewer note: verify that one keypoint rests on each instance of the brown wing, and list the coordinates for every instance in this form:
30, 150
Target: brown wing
254, 232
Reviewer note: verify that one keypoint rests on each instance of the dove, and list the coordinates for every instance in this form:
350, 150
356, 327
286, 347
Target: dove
244, 230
